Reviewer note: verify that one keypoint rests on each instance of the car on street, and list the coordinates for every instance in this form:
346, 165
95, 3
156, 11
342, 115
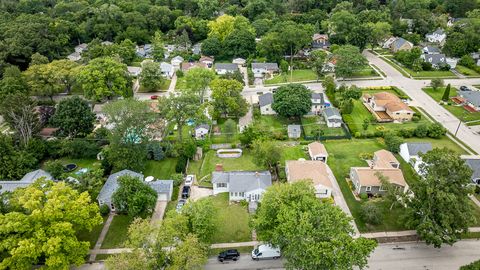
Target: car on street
231, 254
154, 97
189, 180
185, 192
266, 252
464, 88
180, 205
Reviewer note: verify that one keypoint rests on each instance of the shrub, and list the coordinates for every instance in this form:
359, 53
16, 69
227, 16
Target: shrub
55, 168
393, 142
416, 118
179, 73
421, 131
473, 266
358, 134
181, 164
436, 130
406, 132
104, 210
155, 151
177, 179
79, 148
371, 213
363, 196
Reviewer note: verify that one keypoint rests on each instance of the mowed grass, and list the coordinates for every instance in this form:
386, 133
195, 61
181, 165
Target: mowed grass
162, 169
312, 124
456, 110
91, 236
274, 123
420, 74
117, 234
365, 72
163, 87
294, 152
232, 221
467, 71
298, 75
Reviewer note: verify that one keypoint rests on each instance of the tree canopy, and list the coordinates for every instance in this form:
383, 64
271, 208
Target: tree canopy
292, 100
134, 197
74, 117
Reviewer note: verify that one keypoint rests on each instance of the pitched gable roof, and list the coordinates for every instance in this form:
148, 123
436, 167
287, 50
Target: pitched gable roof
414, 149
227, 66
317, 148
111, 185
317, 171
243, 181
368, 176
472, 97
265, 99
267, 66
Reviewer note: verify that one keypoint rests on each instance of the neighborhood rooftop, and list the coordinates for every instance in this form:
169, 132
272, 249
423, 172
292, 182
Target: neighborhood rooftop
243, 181
267, 66
226, 66
26, 180
472, 97
331, 111
265, 99
317, 171
417, 148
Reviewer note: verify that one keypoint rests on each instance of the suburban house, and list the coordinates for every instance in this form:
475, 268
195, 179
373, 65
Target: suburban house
387, 107
294, 131
265, 102
241, 185
201, 131
476, 57
134, 71
320, 41
317, 151
81, 47
208, 61
400, 44
224, 68
439, 36
368, 179
388, 42
240, 62
471, 99
311, 170
264, 70
437, 60
318, 103
164, 188
431, 50
144, 51
333, 117
75, 56
410, 152
27, 179
176, 62
167, 70
186, 66
474, 163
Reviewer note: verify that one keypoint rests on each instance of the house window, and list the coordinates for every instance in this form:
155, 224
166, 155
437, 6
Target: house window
368, 189
397, 113
382, 188
221, 185
266, 109
242, 194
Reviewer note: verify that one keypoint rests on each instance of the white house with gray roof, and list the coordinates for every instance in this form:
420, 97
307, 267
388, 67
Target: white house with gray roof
474, 163
164, 188
241, 185
410, 152
201, 131
265, 102
333, 117
400, 44
264, 70
472, 98
27, 179
439, 36
431, 50
437, 59
225, 68
318, 103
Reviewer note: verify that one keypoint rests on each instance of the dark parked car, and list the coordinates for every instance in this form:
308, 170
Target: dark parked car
185, 192
231, 254
464, 88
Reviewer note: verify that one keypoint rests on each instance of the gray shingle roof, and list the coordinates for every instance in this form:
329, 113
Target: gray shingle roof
439, 31
414, 149
111, 184
227, 66
267, 66
243, 181
474, 164
26, 180
161, 186
431, 49
435, 59
472, 97
399, 42
331, 111
318, 96
293, 128
34, 175
205, 126
265, 99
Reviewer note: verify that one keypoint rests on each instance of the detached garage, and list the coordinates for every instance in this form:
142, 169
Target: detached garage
164, 189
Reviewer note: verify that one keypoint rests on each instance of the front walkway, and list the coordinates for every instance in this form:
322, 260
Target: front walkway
98, 245
159, 211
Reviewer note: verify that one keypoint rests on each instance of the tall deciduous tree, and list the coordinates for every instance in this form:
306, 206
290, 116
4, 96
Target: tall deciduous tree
201, 218
105, 78
158, 50
151, 77
190, 254
178, 109
44, 224
267, 154
349, 60
74, 117
311, 234
441, 211
134, 197
13, 82
227, 99
13, 163
198, 80
41, 79
292, 100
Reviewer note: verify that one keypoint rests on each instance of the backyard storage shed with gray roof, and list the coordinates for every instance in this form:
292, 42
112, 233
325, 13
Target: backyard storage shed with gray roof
294, 131
333, 117
241, 185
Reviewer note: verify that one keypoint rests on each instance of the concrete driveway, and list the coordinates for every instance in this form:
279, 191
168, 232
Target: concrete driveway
199, 192
159, 210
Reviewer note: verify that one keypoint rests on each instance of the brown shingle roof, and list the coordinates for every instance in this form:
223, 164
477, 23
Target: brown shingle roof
384, 158
390, 101
308, 170
367, 176
317, 148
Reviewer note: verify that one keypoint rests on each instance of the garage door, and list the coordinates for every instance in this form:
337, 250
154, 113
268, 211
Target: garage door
162, 197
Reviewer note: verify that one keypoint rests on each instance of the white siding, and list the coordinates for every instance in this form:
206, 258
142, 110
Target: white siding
267, 110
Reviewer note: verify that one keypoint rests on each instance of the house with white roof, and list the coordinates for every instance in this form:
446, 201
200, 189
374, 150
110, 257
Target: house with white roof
241, 185
410, 152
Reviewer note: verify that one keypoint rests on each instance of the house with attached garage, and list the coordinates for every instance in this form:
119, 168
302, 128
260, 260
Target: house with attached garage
27, 180
368, 180
241, 185
264, 70
470, 99
439, 36
265, 102
315, 171
225, 68
387, 107
164, 188
474, 163
437, 60
410, 152
317, 151
400, 44
333, 117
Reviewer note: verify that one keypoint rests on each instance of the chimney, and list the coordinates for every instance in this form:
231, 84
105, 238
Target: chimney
219, 168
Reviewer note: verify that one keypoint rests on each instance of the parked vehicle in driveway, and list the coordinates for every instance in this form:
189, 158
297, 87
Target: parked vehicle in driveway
189, 180
266, 252
154, 97
464, 88
180, 205
231, 254
185, 192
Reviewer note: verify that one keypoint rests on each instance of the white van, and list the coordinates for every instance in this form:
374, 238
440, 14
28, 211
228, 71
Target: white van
265, 252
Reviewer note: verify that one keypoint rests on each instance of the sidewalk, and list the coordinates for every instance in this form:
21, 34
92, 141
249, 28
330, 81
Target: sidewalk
98, 245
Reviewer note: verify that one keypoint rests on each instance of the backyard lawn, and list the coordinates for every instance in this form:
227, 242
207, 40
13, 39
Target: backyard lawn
274, 123
313, 124
91, 236
292, 152
420, 74
299, 75
181, 84
232, 221
163, 87
162, 169
117, 233
365, 72
88, 164
456, 110
224, 137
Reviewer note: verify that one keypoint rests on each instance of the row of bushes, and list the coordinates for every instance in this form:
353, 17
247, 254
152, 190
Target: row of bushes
432, 130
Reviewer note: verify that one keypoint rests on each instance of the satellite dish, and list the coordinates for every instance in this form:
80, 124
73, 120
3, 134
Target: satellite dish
149, 179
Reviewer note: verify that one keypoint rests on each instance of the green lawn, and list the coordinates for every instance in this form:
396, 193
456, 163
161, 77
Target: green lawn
232, 221
275, 124
292, 152
421, 74
382, 51
312, 124
344, 154
299, 75
365, 72
162, 169
467, 71
225, 138
91, 236
163, 87
89, 164
456, 110
181, 84
444, 141
117, 234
